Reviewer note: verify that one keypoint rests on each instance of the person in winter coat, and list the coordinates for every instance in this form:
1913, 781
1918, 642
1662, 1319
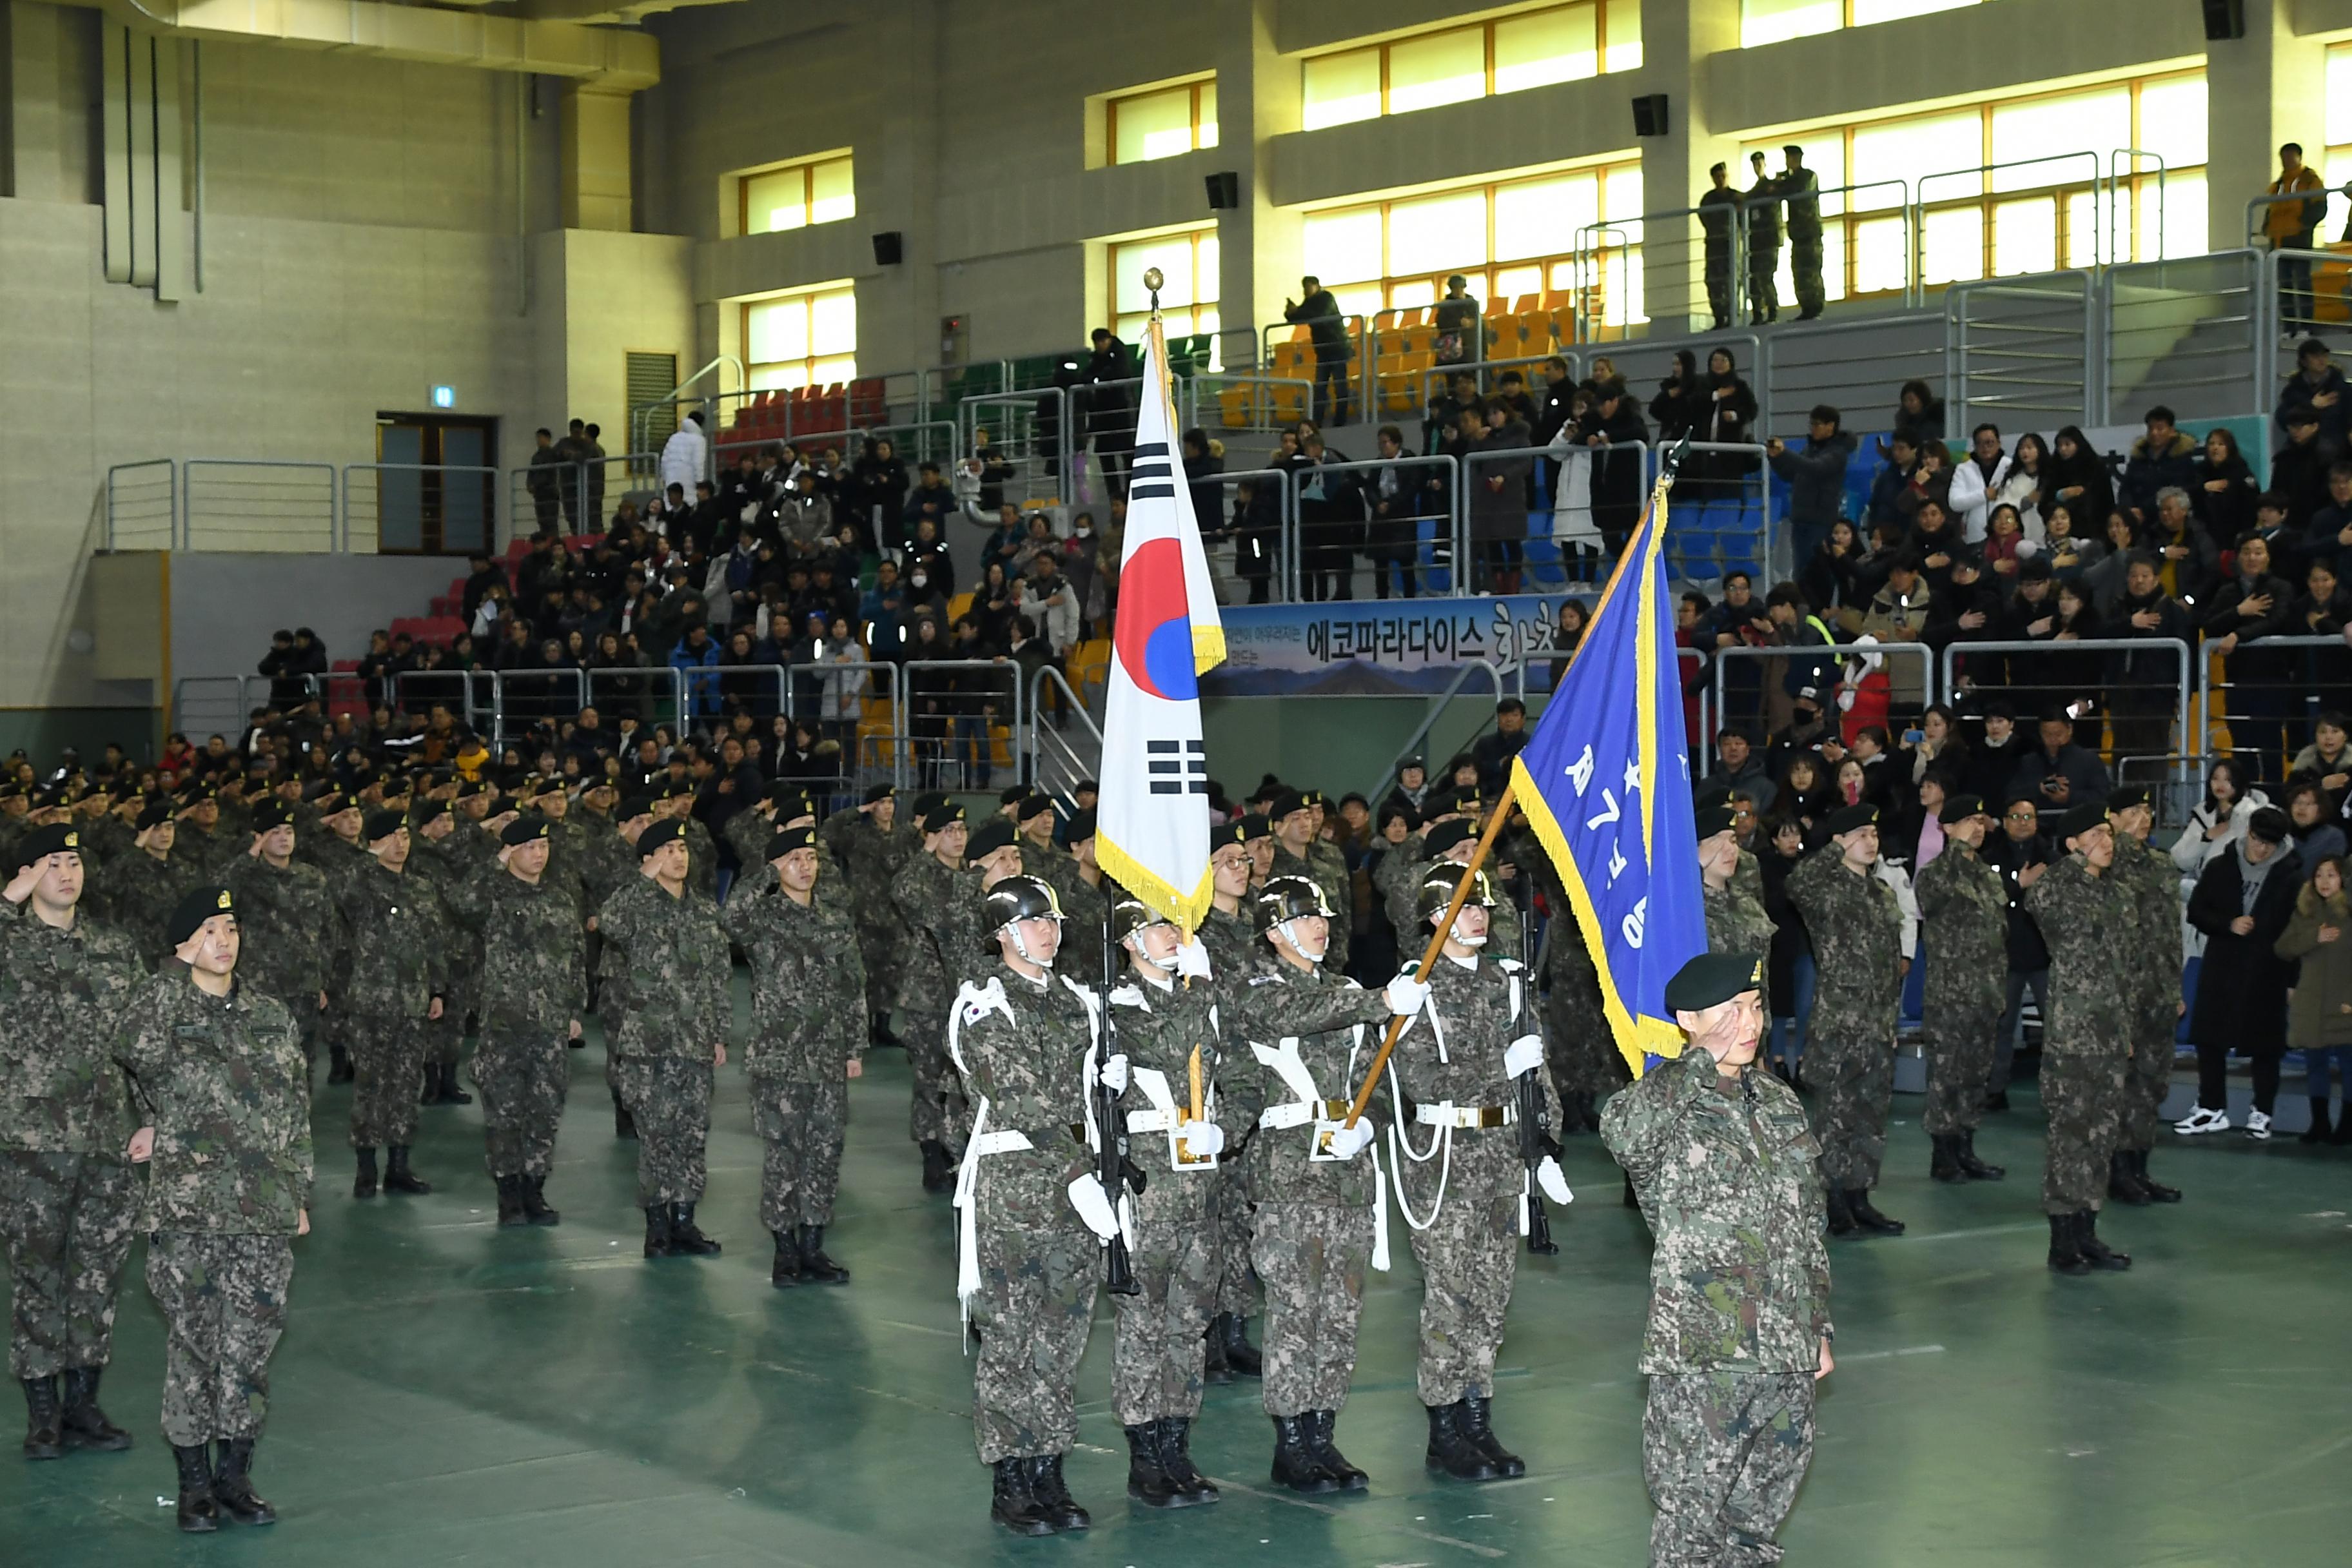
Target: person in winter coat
2253, 603
1617, 477
2243, 904
1728, 418
1498, 508
2318, 940
1828, 575
1681, 404
1977, 480
694, 654
1901, 455
2220, 819
685, 456
1919, 411
2165, 457
2316, 830
2143, 686
1816, 479
2029, 478
2317, 392
2079, 477
2224, 491
2327, 760
1051, 605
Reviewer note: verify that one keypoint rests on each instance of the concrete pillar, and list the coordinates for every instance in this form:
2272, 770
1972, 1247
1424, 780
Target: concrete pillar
2265, 88
1677, 35
594, 131
1258, 257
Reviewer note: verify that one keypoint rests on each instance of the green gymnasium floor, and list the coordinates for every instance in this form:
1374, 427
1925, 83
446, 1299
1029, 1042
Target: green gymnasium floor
449, 1393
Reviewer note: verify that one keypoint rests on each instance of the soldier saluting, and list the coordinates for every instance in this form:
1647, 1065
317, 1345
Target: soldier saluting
1964, 911
1729, 1179
391, 989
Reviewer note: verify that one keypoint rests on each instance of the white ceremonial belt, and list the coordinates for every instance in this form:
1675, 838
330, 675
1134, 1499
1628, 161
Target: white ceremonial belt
1299, 1112
1446, 1114
1006, 1142
1150, 1121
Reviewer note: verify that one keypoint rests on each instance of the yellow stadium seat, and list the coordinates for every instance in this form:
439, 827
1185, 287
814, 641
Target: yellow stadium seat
1237, 406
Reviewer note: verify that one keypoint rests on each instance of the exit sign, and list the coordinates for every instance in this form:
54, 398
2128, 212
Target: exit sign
445, 397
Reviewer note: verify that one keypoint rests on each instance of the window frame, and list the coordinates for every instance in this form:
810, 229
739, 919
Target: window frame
807, 168
1192, 238
808, 294
1111, 117
1486, 30
1846, 21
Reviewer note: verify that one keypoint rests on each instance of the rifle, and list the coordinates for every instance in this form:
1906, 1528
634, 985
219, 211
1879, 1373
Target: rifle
1536, 1141
1112, 1167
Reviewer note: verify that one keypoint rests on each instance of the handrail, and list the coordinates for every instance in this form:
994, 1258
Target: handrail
1435, 377
188, 496
2131, 157
114, 499
1837, 653
2254, 233
1920, 202
1039, 736
1294, 539
639, 424
902, 717
2206, 685
1955, 651
490, 514
1067, 442
1416, 743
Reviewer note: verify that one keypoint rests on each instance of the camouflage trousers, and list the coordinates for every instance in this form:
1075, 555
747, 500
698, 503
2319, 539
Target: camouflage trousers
801, 1125
1232, 1214
669, 1098
522, 1076
2082, 1094
387, 1065
2151, 1078
224, 1303
1960, 1060
1157, 1351
1469, 1257
1856, 1083
939, 1110
878, 945
445, 1036
67, 1221
1723, 1454
1578, 1046
1039, 1268
1312, 1258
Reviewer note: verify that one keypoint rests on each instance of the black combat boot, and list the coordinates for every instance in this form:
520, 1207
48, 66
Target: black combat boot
684, 1237
1319, 1426
45, 1436
658, 1244
2154, 1188
1475, 1417
1295, 1464
2319, 1132
878, 1033
199, 1514
1866, 1214
819, 1269
1997, 1101
2065, 1256
785, 1272
339, 1064
624, 1124
1214, 1365
85, 1426
1944, 1164
509, 1200
1012, 1505
534, 1201
1053, 1497
2096, 1252
1452, 1452
363, 1184
1176, 1458
1240, 1355
1841, 1217
233, 1484
1977, 1169
1147, 1476
2123, 1184
431, 1093
398, 1177
450, 1094
938, 1173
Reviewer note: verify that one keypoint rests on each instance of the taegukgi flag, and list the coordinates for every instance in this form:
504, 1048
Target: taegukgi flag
1151, 822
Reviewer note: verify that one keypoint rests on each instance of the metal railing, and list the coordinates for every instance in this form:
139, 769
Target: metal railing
2091, 684
1812, 362
400, 506
1296, 357
1259, 552
1416, 744
2273, 690
1438, 379
1574, 552
233, 703
1056, 765
1032, 431
2182, 332
1725, 711
651, 694
2289, 302
1722, 501
1335, 556
2025, 345
641, 415
143, 505
466, 692
958, 737
258, 504
1249, 401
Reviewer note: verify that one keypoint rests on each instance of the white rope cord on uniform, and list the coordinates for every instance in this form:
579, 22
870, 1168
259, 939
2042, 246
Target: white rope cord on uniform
1441, 1142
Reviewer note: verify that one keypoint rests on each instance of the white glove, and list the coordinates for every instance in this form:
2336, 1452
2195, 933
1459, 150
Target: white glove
1086, 1196
1521, 1055
1202, 1139
1347, 1143
1192, 960
1554, 1184
1406, 995
1845, 701
1112, 1075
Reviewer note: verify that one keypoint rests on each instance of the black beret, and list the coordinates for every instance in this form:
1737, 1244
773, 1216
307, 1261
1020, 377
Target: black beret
1956, 807
195, 907
157, 812
940, 818
382, 824
425, 811
57, 838
320, 789
1709, 820
2270, 825
1082, 825
637, 804
1446, 836
271, 814
987, 839
1288, 803
471, 788
929, 801
1030, 806
190, 794
523, 830
1011, 794
1850, 819
2081, 820
1712, 979
1466, 802
1247, 829
1315, 797
789, 839
784, 791
879, 792
2125, 798
670, 832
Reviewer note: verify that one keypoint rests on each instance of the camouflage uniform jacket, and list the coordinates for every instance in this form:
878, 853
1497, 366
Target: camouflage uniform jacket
1964, 905
1735, 921
666, 958
1729, 1179
928, 896
1399, 877
1321, 1015
222, 1082
534, 975
701, 858
1157, 1031
567, 858
1452, 1053
869, 858
1022, 1048
136, 895
1235, 952
286, 920
607, 861
808, 979
1857, 931
2153, 885
394, 963
207, 854
2088, 923
1336, 893
63, 992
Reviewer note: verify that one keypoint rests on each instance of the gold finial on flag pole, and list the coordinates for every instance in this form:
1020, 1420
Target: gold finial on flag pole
1152, 278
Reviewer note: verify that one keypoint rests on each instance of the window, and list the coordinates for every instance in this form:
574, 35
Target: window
1770, 21
1188, 287
2336, 166
1162, 123
804, 337
818, 190
2063, 200
1449, 65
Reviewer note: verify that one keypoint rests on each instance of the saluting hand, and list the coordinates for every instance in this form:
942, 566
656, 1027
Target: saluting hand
20, 886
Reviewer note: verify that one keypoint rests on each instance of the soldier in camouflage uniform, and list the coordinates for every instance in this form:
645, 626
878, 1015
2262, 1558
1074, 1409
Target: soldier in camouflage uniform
200, 843
929, 894
666, 958
68, 1200
622, 869
2087, 917
137, 893
1089, 899
339, 852
1321, 1196
447, 852
1729, 1177
701, 849
1456, 1083
1024, 1038
222, 1083
1294, 819
1579, 1045
870, 849
1235, 952
287, 912
534, 987
794, 924
1163, 1023
2149, 876
1732, 886
1857, 932
392, 989
1449, 843
1964, 911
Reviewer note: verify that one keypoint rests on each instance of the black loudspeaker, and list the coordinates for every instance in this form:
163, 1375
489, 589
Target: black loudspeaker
889, 249
1649, 114
1224, 191
2225, 18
